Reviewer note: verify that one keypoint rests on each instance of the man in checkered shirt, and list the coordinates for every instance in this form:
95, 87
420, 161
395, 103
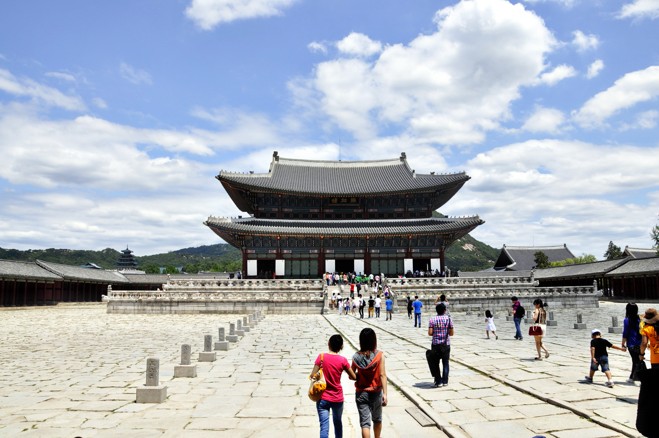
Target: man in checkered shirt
440, 327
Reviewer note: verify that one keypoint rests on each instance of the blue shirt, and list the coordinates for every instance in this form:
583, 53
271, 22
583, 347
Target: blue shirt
417, 304
631, 333
390, 304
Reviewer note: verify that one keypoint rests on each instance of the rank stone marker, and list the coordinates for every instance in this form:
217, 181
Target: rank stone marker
239, 329
580, 324
221, 344
152, 392
185, 369
232, 337
245, 325
551, 321
615, 327
207, 355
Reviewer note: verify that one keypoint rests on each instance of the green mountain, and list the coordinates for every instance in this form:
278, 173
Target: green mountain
467, 254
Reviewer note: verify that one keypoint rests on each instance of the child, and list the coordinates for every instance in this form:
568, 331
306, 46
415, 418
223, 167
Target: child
333, 365
489, 325
371, 384
599, 356
389, 306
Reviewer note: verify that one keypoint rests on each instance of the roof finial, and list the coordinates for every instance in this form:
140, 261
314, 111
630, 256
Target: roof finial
275, 155
403, 156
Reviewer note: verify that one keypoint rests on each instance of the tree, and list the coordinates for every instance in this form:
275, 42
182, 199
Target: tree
613, 252
151, 268
584, 258
654, 234
541, 260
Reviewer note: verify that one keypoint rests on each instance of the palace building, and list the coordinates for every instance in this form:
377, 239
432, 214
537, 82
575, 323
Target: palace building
308, 217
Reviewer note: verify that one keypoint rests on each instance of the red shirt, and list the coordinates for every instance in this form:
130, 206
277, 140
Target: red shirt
333, 367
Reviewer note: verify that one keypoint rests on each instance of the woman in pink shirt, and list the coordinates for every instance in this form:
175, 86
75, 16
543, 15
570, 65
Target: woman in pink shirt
333, 365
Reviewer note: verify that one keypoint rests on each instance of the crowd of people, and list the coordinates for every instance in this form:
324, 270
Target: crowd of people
640, 334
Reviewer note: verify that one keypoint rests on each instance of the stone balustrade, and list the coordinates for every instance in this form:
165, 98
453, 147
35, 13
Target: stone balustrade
460, 282
239, 284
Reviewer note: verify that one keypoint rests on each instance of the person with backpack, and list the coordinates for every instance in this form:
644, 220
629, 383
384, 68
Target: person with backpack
650, 340
518, 314
371, 383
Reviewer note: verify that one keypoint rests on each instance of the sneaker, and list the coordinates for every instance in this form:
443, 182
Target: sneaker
609, 384
588, 379
630, 381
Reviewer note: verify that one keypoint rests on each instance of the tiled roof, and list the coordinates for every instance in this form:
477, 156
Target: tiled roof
12, 269
640, 253
637, 266
70, 272
343, 227
342, 177
580, 270
146, 278
522, 258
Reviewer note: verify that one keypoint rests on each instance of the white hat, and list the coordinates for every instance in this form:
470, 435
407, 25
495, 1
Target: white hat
595, 331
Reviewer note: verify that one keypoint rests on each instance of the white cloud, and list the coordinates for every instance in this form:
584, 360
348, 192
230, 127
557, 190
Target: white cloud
99, 103
584, 42
633, 88
358, 44
207, 14
447, 87
548, 120
644, 120
568, 196
595, 68
556, 75
42, 94
61, 76
134, 75
317, 47
566, 3
640, 9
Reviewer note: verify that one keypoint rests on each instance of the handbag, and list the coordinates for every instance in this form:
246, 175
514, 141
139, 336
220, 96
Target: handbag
535, 330
318, 383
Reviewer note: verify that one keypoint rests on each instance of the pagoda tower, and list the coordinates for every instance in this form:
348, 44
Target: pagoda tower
307, 217
126, 260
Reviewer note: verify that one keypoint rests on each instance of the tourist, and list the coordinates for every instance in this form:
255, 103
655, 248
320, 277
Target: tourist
489, 325
440, 327
599, 356
362, 304
346, 306
378, 306
339, 303
540, 318
518, 314
333, 365
631, 338
371, 384
650, 332
409, 307
442, 299
355, 304
417, 304
371, 306
389, 307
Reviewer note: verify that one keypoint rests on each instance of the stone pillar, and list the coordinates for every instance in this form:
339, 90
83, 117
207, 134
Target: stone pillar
239, 328
579, 324
207, 355
250, 321
615, 327
221, 343
232, 337
245, 325
551, 321
185, 369
152, 392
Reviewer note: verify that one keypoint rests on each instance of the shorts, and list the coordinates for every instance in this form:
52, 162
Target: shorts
369, 406
602, 361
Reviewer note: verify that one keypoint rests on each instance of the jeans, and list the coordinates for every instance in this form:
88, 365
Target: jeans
518, 331
377, 312
417, 317
634, 352
444, 353
323, 407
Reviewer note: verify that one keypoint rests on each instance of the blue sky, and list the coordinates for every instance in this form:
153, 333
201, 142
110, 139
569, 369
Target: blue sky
116, 116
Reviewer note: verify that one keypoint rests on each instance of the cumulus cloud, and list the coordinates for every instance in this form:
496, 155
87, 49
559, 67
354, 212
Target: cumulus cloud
595, 68
558, 74
447, 87
584, 42
548, 120
134, 75
545, 174
358, 44
207, 14
639, 9
633, 88
39, 93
